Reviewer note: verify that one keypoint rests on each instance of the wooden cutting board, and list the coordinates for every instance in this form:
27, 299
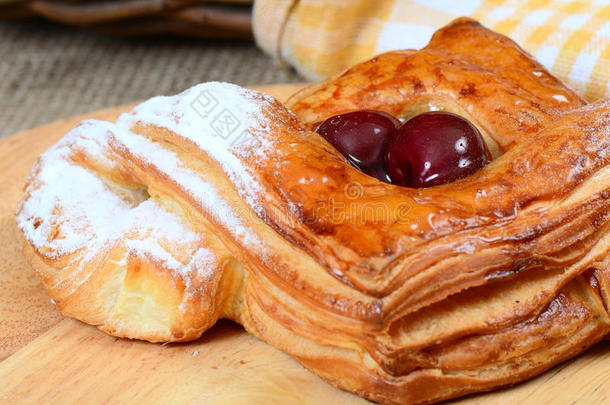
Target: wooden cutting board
45, 358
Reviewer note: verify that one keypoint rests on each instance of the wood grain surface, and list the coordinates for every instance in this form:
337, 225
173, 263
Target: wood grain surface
45, 358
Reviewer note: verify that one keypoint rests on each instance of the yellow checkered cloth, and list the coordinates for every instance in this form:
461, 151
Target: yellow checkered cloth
322, 37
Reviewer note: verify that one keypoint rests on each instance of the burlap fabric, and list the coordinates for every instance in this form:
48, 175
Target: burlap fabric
49, 72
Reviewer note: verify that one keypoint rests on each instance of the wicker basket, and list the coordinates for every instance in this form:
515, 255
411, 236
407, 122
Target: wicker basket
225, 19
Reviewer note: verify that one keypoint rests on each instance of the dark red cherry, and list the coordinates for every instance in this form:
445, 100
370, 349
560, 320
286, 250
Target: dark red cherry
361, 136
434, 148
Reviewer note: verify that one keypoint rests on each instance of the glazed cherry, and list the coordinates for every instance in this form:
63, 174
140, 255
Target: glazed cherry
434, 148
361, 136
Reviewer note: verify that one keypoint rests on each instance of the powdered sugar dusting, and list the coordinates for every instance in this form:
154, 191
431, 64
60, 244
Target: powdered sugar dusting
149, 230
201, 263
68, 207
222, 119
202, 191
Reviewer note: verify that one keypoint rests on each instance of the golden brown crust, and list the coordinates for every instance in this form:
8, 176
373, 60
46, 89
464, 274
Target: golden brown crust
400, 295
